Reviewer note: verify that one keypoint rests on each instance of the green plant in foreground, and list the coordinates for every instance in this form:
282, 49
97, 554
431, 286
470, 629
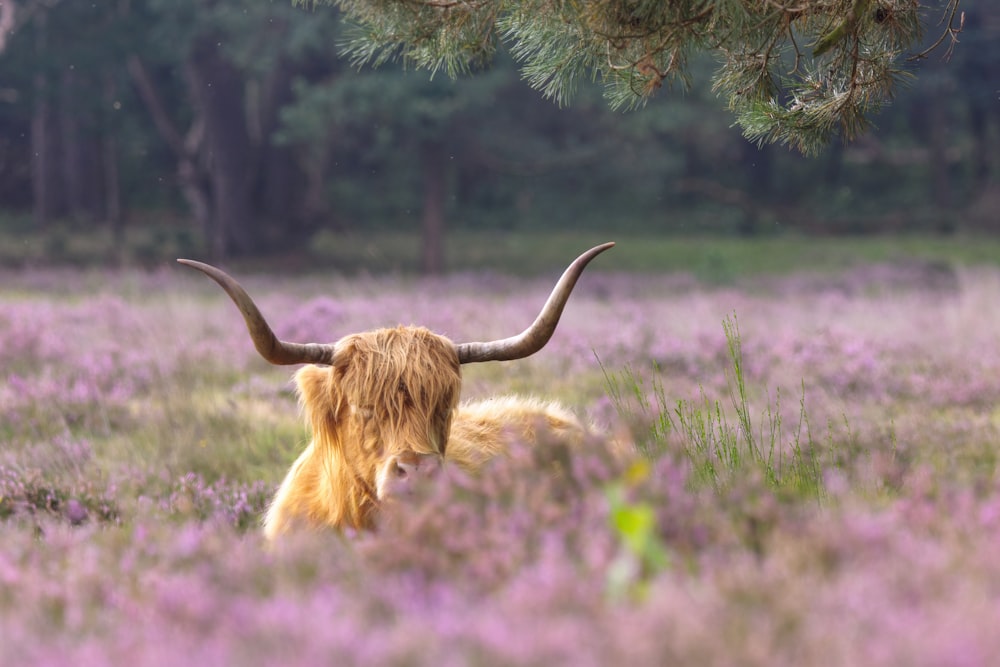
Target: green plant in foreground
716, 447
642, 552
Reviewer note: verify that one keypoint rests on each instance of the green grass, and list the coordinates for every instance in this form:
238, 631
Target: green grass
723, 444
713, 259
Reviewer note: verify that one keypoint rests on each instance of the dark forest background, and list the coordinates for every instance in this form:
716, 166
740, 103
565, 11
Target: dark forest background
233, 129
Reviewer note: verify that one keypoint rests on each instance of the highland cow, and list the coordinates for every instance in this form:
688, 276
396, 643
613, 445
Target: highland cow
383, 407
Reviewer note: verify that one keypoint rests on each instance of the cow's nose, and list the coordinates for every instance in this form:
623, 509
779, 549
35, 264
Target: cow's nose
405, 471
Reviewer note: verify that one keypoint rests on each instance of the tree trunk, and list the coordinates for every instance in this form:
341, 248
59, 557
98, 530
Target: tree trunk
44, 160
112, 182
982, 150
435, 178
315, 210
759, 167
192, 176
81, 152
833, 164
694, 169
8, 12
217, 89
940, 172
71, 156
280, 184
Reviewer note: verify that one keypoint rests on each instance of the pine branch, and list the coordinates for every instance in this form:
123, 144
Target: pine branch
778, 91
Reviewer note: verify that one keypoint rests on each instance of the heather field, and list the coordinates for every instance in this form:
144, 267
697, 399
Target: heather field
792, 471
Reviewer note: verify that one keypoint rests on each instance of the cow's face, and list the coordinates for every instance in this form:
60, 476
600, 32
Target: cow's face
397, 390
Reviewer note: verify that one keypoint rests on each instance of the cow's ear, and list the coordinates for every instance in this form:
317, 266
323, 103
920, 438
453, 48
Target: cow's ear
346, 351
319, 395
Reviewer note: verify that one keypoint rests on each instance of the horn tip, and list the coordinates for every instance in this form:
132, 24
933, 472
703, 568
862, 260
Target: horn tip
597, 250
194, 264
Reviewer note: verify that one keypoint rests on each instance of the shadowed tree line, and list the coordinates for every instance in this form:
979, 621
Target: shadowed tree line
240, 125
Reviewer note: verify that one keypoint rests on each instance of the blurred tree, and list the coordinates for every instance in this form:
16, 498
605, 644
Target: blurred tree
434, 141
242, 116
237, 71
794, 71
397, 117
970, 92
63, 77
211, 80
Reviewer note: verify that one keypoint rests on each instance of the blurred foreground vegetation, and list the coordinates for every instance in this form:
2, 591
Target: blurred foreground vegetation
826, 470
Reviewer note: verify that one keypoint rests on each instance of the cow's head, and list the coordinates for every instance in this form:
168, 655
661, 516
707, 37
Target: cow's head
380, 403
389, 396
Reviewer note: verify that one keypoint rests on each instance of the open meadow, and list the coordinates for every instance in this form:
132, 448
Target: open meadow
811, 476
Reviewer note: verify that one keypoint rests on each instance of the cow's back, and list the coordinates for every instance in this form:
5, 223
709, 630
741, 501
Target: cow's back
484, 429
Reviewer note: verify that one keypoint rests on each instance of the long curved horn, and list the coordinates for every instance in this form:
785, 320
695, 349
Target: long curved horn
535, 337
270, 347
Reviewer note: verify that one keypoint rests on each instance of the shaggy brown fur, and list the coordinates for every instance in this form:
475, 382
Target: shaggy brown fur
485, 429
388, 392
392, 394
